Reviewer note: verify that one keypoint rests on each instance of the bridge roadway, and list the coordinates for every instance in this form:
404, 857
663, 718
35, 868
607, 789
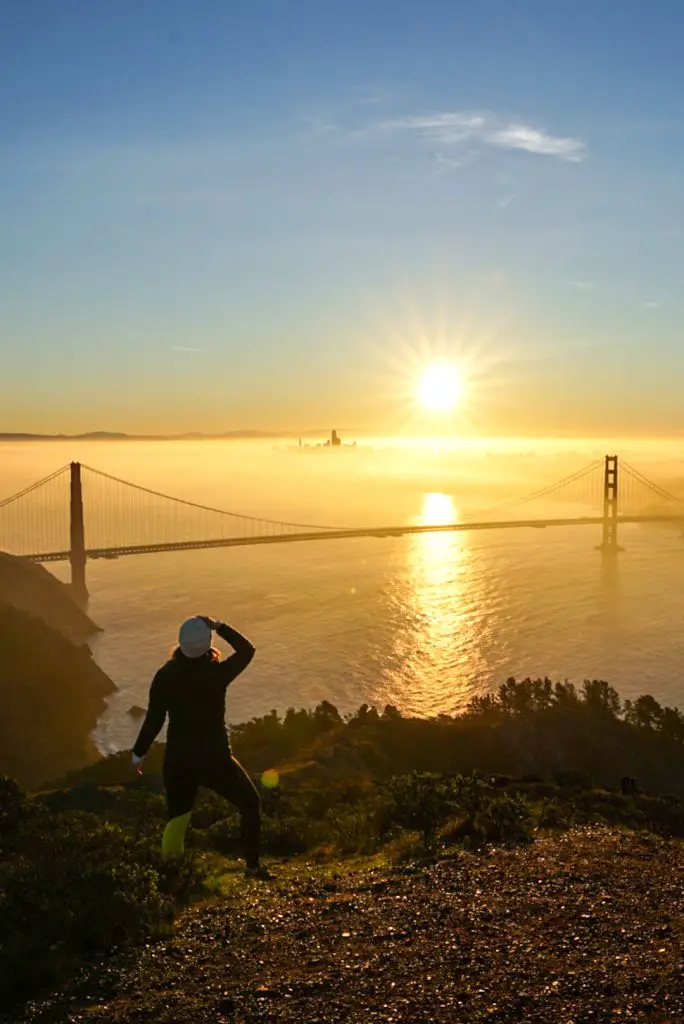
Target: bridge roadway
367, 531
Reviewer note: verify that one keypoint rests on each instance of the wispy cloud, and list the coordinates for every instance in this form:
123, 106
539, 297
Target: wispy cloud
523, 136
185, 348
505, 201
452, 128
650, 305
582, 286
445, 129
450, 162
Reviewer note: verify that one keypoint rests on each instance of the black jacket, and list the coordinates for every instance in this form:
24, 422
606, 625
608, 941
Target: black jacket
192, 692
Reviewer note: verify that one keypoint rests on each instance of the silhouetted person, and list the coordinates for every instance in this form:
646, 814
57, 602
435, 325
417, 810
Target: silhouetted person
191, 689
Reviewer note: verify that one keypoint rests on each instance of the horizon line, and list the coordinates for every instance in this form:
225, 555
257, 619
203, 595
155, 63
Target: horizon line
255, 434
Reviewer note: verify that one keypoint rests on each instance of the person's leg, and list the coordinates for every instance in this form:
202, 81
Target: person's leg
181, 787
230, 780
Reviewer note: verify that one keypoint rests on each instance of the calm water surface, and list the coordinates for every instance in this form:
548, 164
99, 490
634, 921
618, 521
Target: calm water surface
421, 622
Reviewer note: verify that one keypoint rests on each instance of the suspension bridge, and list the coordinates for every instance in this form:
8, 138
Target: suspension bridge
79, 513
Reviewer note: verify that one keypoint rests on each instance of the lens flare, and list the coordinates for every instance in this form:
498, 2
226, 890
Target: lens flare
270, 778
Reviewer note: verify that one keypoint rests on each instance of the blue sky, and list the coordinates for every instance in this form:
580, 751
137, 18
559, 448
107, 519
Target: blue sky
271, 214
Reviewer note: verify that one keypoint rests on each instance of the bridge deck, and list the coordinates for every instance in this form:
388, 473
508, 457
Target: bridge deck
383, 531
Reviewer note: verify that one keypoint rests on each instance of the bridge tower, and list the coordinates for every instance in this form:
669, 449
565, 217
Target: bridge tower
77, 553
610, 505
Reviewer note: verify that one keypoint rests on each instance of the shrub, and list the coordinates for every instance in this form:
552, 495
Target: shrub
223, 836
553, 815
286, 837
494, 817
662, 815
572, 779
355, 829
72, 886
505, 819
421, 802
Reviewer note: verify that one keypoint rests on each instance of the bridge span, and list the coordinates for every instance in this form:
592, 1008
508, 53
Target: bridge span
327, 535
79, 513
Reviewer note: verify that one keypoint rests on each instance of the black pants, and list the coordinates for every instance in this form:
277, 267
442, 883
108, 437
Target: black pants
225, 776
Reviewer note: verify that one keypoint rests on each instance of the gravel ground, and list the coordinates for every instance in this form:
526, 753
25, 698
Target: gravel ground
579, 928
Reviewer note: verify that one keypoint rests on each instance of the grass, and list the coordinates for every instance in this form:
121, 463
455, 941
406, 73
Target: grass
226, 878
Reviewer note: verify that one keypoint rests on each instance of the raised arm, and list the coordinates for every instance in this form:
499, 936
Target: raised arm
154, 719
236, 663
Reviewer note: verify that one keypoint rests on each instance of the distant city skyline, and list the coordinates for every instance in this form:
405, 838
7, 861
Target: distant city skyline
221, 217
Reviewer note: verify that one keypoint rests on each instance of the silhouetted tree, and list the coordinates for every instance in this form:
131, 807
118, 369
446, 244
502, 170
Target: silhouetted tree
672, 724
599, 696
645, 712
326, 716
542, 694
486, 706
565, 695
364, 716
516, 698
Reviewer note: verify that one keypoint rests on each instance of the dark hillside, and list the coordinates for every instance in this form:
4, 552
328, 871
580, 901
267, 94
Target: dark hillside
29, 586
51, 696
531, 727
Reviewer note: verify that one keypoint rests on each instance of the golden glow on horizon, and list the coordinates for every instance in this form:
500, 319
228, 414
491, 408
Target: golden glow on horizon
441, 388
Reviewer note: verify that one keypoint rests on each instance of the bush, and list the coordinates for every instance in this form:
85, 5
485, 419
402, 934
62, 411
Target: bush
471, 793
493, 816
660, 814
356, 829
287, 837
72, 886
553, 815
223, 837
421, 803
507, 818
572, 779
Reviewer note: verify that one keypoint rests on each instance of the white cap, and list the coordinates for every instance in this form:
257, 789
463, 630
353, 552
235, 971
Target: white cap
194, 638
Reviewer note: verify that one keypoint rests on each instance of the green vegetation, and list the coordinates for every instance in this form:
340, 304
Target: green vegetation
532, 727
73, 885
79, 866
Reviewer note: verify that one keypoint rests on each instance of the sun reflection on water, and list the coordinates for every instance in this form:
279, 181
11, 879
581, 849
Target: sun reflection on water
438, 565
441, 635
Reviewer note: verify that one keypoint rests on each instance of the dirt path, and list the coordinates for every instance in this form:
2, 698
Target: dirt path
577, 929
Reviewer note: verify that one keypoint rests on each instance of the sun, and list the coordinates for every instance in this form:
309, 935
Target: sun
441, 388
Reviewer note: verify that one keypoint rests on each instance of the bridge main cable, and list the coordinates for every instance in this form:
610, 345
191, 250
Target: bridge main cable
208, 508
542, 493
33, 487
645, 482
